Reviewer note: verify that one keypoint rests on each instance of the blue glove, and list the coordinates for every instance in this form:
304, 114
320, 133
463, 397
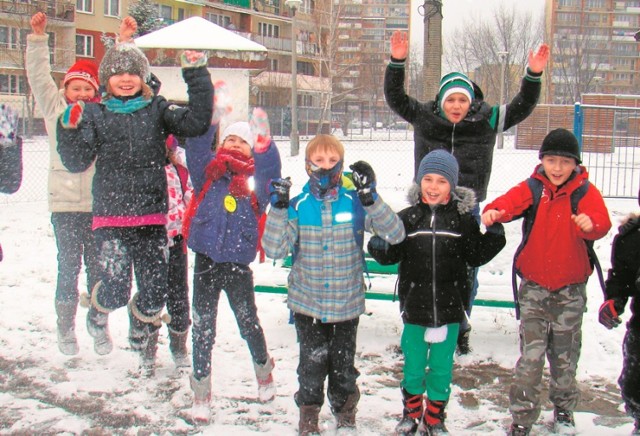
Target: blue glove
279, 192
364, 179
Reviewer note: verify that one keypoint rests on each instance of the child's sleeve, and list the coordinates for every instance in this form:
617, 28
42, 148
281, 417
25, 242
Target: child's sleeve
268, 167
480, 248
199, 153
625, 262
383, 252
280, 233
78, 147
592, 205
38, 69
193, 119
381, 220
514, 202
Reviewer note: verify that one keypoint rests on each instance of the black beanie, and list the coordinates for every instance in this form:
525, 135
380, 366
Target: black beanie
560, 142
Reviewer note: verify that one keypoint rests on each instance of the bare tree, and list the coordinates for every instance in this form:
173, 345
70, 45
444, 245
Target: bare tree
484, 47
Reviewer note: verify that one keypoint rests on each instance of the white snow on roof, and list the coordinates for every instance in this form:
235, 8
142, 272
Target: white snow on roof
196, 33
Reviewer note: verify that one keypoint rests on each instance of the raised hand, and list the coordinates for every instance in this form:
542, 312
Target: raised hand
128, 28
38, 23
399, 45
364, 179
538, 60
279, 193
259, 122
192, 59
72, 115
222, 104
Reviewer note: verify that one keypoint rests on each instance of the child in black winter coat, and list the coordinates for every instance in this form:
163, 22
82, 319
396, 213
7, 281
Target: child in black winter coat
433, 286
125, 135
623, 283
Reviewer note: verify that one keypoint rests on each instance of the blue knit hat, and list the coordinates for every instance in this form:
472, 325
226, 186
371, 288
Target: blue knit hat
455, 83
439, 162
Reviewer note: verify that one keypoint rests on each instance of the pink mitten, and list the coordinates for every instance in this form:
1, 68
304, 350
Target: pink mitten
221, 101
259, 122
72, 115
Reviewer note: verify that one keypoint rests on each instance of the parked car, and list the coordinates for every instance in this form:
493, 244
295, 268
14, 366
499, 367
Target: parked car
356, 124
399, 125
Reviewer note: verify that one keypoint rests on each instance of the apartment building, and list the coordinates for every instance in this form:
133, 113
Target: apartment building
593, 48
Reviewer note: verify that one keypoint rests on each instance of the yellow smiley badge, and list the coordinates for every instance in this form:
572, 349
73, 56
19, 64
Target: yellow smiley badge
230, 204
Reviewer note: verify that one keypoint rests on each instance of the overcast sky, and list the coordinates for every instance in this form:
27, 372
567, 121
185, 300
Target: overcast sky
456, 12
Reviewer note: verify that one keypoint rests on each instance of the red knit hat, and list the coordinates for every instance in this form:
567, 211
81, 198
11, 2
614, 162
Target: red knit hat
83, 70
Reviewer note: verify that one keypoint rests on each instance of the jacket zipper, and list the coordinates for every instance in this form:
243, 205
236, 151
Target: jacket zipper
453, 135
433, 266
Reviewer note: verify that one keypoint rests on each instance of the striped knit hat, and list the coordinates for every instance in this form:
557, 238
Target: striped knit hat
455, 83
439, 162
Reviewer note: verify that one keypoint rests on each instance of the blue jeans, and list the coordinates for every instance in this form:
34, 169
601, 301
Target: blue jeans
473, 279
75, 242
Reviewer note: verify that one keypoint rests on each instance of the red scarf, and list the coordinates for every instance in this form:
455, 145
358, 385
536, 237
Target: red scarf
239, 167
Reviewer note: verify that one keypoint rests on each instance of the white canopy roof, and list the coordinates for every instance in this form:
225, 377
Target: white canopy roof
196, 33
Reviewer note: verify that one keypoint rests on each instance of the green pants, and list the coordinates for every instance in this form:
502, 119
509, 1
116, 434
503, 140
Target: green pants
428, 366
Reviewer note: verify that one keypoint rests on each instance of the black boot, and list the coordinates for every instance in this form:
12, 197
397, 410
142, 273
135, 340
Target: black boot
563, 419
463, 342
433, 420
636, 429
67, 341
519, 430
412, 409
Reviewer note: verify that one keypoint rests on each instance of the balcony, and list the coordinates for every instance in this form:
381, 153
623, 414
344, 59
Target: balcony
57, 10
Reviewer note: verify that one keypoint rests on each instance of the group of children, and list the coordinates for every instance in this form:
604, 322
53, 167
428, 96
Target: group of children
141, 212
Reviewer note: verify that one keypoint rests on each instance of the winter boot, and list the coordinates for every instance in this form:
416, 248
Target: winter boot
563, 420
143, 336
346, 415
519, 430
412, 408
98, 324
433, 420
178, 347
308, 424
201, 408
463, 346
264, 375
67, 341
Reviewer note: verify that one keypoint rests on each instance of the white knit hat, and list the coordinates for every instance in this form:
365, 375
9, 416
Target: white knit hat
240, 129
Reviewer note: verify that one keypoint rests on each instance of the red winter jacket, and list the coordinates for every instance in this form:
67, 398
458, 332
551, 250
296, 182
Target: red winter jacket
555, 255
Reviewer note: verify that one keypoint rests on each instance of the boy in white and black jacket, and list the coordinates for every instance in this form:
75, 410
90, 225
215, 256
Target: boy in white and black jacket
433, 286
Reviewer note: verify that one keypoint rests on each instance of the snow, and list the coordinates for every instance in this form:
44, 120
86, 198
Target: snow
43, 391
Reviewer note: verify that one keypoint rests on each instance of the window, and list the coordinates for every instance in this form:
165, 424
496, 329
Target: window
165, 12
220, 20
12, 84
84, 6
9, 37
112, 8
273, 64
84, 45
267, 29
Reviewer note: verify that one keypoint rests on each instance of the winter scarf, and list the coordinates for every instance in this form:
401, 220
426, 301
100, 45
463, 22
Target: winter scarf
324, 184
239, 168
128, 106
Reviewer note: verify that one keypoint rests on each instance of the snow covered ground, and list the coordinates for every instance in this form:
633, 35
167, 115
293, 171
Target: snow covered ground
44, 392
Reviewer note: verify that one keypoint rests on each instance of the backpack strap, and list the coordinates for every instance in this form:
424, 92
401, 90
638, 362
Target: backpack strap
529, 215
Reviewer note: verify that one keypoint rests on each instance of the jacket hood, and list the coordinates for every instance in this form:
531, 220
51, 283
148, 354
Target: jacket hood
465, 197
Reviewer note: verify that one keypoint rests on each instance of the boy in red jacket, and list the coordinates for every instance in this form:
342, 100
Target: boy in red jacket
554, 267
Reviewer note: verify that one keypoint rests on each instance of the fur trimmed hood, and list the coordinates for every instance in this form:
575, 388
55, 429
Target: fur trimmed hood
465, 197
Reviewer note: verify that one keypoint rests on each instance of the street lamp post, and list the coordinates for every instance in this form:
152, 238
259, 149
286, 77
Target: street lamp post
295, 140
503, 58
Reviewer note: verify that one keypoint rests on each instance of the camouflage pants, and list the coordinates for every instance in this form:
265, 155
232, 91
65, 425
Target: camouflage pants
550, 325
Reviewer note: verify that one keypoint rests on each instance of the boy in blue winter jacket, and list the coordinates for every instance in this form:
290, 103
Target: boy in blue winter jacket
322, 226
221, 226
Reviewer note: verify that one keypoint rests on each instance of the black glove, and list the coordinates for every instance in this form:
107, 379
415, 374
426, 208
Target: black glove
376, 243
609, 312
496, 228
279, 193
364, 180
